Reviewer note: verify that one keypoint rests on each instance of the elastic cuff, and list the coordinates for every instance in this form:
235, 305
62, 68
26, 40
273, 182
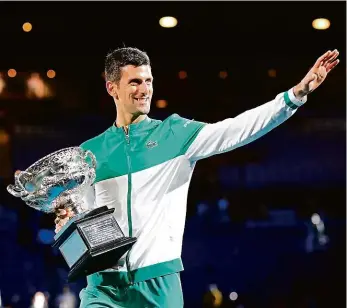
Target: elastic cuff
292, 101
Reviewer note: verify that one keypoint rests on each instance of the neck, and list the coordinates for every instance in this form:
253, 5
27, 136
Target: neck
123, 120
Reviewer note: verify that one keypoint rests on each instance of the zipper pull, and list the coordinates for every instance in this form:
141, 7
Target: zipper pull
127, 134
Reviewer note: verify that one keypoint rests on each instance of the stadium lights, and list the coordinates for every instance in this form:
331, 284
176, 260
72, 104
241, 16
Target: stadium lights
161, 103
27, 27
11, 73
233, 296
321, 24
168, 22
51, 74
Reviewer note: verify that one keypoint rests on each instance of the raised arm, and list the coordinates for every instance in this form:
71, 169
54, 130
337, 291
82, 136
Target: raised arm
232, 133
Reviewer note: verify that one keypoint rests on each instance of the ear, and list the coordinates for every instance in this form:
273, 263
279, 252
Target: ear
111, 88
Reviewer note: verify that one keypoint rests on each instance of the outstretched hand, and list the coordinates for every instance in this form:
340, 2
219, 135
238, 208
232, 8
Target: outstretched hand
317, 73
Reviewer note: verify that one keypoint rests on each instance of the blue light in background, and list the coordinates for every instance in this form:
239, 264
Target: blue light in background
223, 204
45, 236
202, 208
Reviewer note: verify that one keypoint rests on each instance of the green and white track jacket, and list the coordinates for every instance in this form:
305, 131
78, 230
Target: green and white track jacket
145, 176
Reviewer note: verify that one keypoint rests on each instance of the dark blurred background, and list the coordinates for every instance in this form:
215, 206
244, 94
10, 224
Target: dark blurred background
266, 223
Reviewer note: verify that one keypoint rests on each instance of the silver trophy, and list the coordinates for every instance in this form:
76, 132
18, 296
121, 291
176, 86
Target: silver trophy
92, 240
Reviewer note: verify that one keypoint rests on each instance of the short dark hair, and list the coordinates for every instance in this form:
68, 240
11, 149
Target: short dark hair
121, 57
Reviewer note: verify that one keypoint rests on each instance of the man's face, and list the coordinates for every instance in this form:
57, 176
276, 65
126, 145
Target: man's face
135, 89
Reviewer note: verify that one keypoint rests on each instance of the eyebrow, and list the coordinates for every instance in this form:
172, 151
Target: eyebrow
139, 80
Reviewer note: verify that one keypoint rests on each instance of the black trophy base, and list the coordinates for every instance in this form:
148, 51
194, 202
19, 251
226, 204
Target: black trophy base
93, 262
92, 242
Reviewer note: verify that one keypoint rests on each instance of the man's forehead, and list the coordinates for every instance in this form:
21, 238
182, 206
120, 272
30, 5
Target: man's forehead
131, 71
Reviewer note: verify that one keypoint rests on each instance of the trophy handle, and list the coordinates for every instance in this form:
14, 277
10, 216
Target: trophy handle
91, 156
17, 180
15, 191
18, 190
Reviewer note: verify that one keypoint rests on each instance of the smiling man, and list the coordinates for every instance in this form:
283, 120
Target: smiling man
144, 167
130, 83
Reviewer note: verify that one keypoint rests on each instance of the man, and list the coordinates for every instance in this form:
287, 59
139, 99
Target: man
144, 167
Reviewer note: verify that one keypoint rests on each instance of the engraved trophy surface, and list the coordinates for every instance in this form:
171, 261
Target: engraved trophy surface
91, 240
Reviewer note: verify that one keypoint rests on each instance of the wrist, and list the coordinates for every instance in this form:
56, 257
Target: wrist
292, 101
299, 91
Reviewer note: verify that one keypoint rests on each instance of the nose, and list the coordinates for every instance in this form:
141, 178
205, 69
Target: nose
144, 88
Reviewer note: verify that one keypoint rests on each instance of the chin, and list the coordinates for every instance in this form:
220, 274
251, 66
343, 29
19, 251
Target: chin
143, 110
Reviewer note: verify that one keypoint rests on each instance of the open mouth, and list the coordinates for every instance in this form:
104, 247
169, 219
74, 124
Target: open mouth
142, 99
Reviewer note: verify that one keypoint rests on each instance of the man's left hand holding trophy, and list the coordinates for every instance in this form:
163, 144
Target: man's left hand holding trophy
63, 214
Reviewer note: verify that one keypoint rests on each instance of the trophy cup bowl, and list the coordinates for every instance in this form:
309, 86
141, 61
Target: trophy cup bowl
91, 240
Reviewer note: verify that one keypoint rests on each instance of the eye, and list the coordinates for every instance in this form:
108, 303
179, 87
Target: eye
135, 82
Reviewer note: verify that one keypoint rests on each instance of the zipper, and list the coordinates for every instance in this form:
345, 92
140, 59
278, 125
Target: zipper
128, 201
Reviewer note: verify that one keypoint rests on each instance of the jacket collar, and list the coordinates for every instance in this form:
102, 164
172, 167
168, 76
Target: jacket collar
141, 126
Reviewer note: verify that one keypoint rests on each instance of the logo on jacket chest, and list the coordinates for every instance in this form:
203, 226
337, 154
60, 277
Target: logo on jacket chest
151, 144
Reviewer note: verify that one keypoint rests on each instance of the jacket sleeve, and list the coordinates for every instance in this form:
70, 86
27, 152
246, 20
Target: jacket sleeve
232, 133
